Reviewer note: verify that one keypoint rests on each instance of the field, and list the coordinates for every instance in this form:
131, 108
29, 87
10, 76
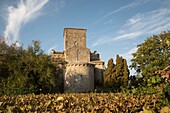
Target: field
82, 102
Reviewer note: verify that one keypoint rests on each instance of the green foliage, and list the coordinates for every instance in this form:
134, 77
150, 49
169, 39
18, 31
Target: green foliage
122, 71
91, 102
7, 54
116, 76
26, 71
152, 55
168, 43
166, 91
109, 73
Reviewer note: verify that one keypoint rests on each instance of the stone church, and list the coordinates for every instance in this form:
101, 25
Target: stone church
84, 69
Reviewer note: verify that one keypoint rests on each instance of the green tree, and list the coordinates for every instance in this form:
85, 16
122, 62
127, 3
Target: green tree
27, 71
125, 73
109, 73
152, 55
116, 76
122, 72
7, 53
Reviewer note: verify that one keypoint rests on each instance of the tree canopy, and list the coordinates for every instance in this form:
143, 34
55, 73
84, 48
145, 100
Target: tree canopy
25, 71
116, 75
152, 55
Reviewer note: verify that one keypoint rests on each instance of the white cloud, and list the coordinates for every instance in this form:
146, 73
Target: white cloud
135, 19
127, 36
140, 24
100, 41
108, 39
25, 11
128, 55
59, 5
130, 5
148, 23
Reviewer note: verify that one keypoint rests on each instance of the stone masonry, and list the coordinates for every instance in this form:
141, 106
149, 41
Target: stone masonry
84, 70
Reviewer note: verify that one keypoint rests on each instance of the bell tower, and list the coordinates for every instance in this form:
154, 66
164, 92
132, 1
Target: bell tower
75, 45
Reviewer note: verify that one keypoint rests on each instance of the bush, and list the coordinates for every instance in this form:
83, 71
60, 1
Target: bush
166, 91
87, 102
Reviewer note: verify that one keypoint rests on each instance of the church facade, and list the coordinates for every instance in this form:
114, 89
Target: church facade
84, 69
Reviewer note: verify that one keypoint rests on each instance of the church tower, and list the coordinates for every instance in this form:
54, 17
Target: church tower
84, 70
75, 45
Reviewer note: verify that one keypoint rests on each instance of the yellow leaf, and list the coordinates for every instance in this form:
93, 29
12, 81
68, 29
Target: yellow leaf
60, 99
1, 103
165, 109
22, 108
107, 111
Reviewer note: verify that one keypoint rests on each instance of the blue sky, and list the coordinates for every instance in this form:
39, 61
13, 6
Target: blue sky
113, 26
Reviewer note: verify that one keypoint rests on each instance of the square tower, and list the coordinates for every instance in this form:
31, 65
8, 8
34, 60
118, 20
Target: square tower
75, 45
74, 37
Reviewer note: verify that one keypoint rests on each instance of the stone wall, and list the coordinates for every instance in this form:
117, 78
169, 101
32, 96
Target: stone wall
78, 54
57, 55
79, 77
99, 72
74, 37
75, 45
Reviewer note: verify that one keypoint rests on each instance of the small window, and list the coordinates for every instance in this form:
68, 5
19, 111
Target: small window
77, 55
75, 43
